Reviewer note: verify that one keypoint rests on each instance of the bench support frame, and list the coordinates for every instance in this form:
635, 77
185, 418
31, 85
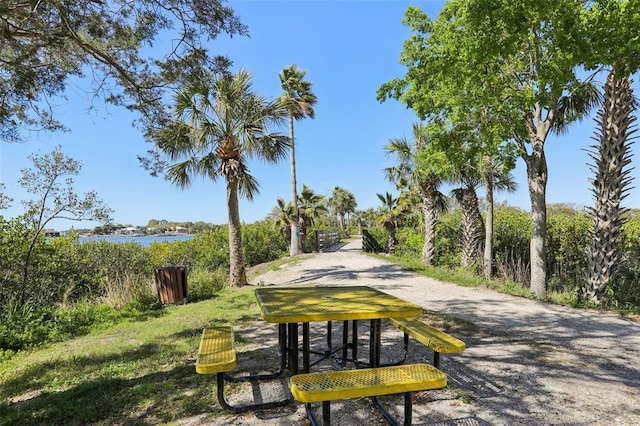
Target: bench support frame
326, 411
244, 408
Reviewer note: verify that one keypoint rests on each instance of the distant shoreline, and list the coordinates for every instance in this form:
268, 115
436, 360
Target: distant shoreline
144, 240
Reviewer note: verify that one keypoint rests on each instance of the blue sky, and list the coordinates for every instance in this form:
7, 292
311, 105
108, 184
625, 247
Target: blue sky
349, 48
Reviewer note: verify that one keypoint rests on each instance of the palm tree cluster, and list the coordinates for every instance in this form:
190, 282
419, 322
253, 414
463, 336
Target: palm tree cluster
511, 80
311, 207
342, 203
413, 175
492, 82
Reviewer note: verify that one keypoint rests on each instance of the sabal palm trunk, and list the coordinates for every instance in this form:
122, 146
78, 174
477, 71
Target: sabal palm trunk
487, 259
237, 273
295, 247
470, 220
610, 184
429, 191
391, 242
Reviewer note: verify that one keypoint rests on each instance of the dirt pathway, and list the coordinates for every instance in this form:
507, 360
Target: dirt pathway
526, 363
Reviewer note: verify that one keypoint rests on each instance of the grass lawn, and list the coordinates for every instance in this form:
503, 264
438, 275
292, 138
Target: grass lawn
132, 373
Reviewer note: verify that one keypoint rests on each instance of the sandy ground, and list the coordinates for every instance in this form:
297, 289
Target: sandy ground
526, 363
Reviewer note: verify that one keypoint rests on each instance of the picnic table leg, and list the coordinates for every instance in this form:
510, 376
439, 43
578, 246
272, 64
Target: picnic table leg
408, 408
345, 341
305, 347
293, 347
436, 359
282, 343
374, 343
354, 341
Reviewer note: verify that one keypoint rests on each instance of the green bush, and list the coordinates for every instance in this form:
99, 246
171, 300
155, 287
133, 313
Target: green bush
623, 291
123, 271
568, 234
50, 273
512, 233
208, 251
410, 242
24, 327
261, 243
68, 285
447, 248
204, 283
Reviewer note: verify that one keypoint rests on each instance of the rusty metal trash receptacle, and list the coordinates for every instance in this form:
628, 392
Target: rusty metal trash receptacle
171, 283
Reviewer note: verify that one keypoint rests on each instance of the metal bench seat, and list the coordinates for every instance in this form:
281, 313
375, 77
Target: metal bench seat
438, 341
217, 354
368, 382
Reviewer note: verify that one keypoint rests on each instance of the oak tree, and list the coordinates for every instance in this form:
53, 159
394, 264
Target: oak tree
129, 51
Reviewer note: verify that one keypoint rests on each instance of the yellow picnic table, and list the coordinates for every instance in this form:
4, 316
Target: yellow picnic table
294, 305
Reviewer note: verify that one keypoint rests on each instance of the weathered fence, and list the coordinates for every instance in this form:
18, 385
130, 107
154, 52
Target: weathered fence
370, 244
326, 239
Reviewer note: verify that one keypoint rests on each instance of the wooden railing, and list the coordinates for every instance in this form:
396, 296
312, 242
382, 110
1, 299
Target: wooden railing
370, 244
326, 239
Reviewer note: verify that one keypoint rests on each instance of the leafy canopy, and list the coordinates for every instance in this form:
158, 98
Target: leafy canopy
131, 51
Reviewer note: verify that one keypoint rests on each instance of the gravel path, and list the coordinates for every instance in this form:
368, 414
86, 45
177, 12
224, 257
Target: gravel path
526, 363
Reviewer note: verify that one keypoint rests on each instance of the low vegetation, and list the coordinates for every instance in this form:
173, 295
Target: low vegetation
75, 287
139, 371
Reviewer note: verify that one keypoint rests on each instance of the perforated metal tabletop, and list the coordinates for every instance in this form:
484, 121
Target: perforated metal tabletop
310, 304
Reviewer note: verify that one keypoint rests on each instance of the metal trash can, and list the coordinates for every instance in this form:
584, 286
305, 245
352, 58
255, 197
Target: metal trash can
171, 283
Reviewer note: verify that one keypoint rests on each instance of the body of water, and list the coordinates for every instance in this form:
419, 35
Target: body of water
145, 240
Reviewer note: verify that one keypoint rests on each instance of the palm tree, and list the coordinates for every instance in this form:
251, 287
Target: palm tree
389, 218
217, 128
310, 208
365, 219
496, 176
471, 224
424, 181
283, 217
343, 202
299, 101
612, 155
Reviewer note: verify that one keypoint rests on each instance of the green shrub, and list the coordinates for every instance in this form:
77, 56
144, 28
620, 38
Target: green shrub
568, 234
261, 243
210, 250
204, 283
623, 291
123, 271
25, 327
410, 242
512, 233
447, 248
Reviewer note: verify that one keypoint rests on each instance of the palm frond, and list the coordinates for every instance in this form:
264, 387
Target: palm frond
581, 98
248, 186
180, 173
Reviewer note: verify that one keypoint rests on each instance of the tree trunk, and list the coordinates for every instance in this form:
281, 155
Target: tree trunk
391, 242
470, 221
296, 245
487, 263
610, 185
428, 247
537, 179
237, 273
